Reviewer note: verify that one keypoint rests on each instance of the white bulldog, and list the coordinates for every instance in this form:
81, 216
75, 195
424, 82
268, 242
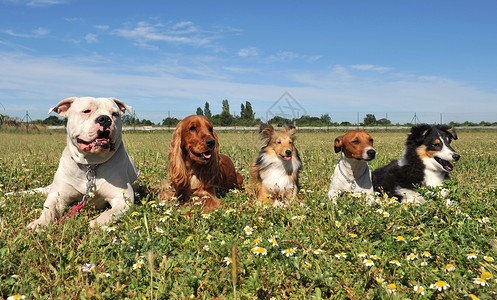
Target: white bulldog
93, 141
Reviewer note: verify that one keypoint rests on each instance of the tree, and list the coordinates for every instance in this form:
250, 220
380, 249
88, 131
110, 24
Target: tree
370, 119
200, 112
170, 122
207, 110
384, 121
247, 113
226, 105
326, 119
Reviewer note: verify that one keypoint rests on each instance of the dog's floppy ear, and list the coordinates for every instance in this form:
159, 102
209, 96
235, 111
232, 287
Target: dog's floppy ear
123, 107
266, 132
449, 130
338, 144
419, 132
62, 107
177, 169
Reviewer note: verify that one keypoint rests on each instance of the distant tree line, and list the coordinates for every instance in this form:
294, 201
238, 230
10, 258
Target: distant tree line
246, 117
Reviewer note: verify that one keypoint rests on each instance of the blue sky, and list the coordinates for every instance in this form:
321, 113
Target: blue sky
169, 57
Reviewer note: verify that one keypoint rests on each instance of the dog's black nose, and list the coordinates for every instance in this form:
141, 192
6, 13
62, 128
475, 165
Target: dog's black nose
456, 156
104, 121
210, 143
371, 153
288, 153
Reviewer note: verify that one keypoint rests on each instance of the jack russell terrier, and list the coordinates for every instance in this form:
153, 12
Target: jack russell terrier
352, 173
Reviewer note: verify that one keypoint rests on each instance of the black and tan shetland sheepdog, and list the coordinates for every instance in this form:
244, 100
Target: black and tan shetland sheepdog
275, 171
426, 160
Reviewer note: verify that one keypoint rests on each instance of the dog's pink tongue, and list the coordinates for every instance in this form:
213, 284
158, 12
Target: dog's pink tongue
207, 155
288, 157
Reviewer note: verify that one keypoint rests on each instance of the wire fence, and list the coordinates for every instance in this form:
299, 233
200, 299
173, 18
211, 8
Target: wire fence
335, 117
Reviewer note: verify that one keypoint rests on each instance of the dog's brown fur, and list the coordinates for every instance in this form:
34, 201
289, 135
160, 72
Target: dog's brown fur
196, 168
278, 162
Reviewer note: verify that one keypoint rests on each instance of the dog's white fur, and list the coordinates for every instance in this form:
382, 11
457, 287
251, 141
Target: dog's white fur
115, 173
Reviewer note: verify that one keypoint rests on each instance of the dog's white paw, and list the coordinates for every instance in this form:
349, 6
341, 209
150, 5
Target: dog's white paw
36, 225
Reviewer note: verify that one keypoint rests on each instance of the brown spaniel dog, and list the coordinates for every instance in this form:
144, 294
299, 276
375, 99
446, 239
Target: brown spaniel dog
196, 168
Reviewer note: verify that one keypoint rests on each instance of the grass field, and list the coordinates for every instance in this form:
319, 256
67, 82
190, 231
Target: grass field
308, 250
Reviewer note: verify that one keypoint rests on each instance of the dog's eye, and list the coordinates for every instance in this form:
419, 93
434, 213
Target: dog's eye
87, 111
114, 114
279, 142
192, 128
355, 142
211, 129
371, 140
290, 142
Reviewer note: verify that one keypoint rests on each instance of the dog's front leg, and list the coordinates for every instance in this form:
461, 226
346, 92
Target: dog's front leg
119, 205
52, 209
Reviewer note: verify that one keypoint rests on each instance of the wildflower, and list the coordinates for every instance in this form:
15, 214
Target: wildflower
337, 224
307, 265
472, 255
480, 281
341, 255
259, 250
391, 288
300, 218
248, 230
137, 227
103, 274
368, 262
488, 258
424, 264
135, 213
223, 242
111, 228
450, 267
206, 248
440, 285
87, 267
362, 254
246, 242
379, 279
209, 237
258, 241
353, 235
289, 252
206, 216
91, 195
483, 220
411, 256
15, 297
228, 260
396, 262
375, 257
230, 210
426, 254
419, 289
159, 230
258, 203
486, 275
164, 219
318, 251
415, 238
472, 296
273, 242
138, 264
400, 239
386, 215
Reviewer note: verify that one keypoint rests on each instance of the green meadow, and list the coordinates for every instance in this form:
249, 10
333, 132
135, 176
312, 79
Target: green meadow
309, 249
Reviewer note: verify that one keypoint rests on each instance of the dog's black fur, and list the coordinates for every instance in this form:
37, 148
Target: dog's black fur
423, 140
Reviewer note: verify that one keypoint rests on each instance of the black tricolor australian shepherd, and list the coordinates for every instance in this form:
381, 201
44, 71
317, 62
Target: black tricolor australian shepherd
275, 171
426, 161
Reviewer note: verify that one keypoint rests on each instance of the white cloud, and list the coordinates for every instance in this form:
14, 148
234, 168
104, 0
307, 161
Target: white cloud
370, 68
144, 33
249, 51
91, 38
40, 32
